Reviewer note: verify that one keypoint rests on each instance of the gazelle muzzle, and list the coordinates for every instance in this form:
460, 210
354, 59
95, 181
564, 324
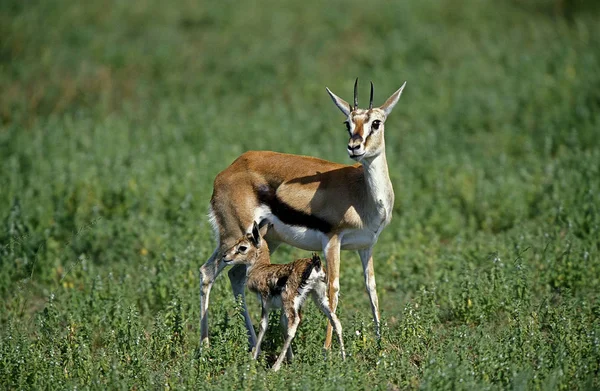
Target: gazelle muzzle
356, 146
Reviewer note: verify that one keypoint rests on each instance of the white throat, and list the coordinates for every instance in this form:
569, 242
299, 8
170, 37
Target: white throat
379, 185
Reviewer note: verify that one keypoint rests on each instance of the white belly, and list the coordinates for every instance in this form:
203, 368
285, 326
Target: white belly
358, 239
311, 239
301, 237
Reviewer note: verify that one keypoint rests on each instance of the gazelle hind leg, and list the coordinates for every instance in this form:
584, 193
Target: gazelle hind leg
208, 273
237, 277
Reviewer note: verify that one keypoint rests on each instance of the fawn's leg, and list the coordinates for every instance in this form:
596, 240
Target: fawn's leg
293, 321
320, 298
284, 326
264, 323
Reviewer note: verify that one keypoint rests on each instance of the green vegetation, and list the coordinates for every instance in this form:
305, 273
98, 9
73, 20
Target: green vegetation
116, 116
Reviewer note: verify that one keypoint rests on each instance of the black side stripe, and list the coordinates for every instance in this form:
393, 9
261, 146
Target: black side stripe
289, 215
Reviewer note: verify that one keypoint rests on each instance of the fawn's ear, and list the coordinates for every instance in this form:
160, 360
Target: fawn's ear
264, 227
255, 236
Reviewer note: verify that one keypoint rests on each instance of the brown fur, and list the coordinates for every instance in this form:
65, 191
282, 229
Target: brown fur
283, 279
301, 182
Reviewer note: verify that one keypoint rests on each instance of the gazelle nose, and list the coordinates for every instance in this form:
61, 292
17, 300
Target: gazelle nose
355, 142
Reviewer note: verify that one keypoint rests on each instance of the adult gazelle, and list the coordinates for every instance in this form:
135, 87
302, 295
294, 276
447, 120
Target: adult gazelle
312, 204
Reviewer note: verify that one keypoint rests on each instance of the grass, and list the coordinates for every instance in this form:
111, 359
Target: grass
115, 118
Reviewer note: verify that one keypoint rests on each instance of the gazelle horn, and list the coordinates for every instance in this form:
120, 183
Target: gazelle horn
356, 94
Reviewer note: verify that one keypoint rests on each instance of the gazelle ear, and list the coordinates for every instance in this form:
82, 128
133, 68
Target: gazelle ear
392, 100
255, 237
339, 102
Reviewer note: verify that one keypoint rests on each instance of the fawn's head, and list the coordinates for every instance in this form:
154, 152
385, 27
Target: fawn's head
248, 248
365, 127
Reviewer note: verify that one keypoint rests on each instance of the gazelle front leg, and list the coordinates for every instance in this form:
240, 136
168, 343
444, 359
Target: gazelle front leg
237, 277
208, 273
366, 257
332, 255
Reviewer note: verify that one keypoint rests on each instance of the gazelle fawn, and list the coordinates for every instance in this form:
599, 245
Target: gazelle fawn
313, 204
281, 286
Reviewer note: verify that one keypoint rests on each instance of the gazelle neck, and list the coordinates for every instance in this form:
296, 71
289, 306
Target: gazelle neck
379, 185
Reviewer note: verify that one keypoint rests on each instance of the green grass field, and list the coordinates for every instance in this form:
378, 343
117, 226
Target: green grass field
116, 116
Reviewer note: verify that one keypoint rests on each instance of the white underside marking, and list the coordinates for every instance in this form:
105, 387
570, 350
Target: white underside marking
298, 300
309, 285
358, 239
297, 236
311, 239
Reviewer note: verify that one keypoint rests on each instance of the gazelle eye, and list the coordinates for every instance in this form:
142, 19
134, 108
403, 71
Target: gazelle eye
375, 125
242, 249
347, 123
